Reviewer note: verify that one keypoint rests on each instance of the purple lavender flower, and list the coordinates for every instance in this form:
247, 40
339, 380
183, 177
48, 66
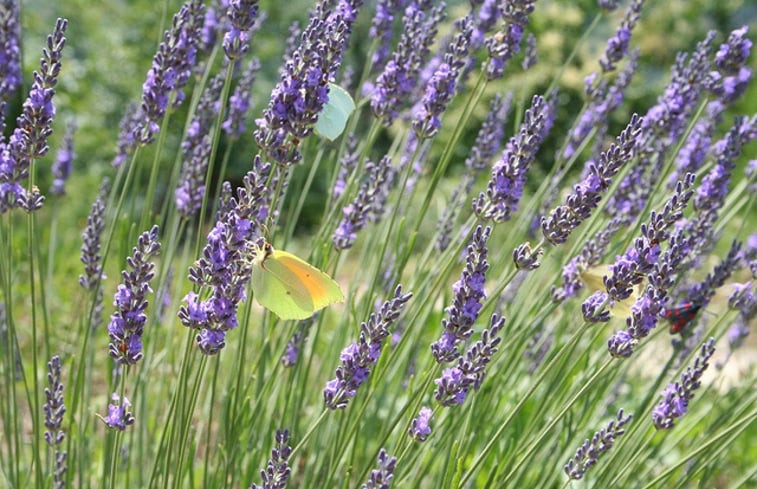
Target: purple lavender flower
587, 194
530, 57
358, 358
347, 165
503, 45
54, 407
677, 395
128, 321
356, 213
10, 52
505, 188
128, 131
397, 81
537, 348
525, 258
211, 24
276, 474
486, 20
64, 162
702, 292
302, 90
617, 46
604, 98
455, 383
381, 478
33, 128
381, 28
692, 155
593, 308
240, 101
420, 427
242, 15
196, 151
441, 87
119, 413
743, 300
731, 77
224, 266
93, 274
468, 300
589, 453
294, 346
609, 5
171, 68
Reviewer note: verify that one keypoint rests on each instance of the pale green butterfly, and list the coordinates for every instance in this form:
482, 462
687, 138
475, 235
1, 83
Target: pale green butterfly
290, 287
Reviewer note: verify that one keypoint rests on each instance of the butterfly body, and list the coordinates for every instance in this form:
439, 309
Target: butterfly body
290, 287
681, 315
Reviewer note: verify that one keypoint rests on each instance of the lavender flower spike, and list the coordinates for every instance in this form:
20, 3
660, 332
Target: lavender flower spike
588, 454
468, 300
128, 132
617, 46
508, 177
503, 45
240, 102
381, 478
356, 213
127, 323
730, 79
420, 427
276, 474
171, 68
455, 383
677, 395
242, 15
358, 358
63, 165
33, 128
587, 194
54, 411
10, 51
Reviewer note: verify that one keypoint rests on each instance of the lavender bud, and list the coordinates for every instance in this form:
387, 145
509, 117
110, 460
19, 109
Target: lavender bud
731, 77
119, 413
10, 51
64, 162
381, 478
128, 133
526, 258
240, 102
589, 453
358, 358
420, 427
617, 46
594, 308
54, 407
276, 473
128, 321
677, 395
242, 15
503, 45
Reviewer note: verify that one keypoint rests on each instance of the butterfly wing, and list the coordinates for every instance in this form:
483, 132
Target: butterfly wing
279, 293
321, 289
593, 277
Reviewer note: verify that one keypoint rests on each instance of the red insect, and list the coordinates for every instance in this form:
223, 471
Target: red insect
680, 316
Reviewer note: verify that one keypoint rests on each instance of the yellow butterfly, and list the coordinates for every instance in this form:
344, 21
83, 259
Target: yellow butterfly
290, 287
592, 277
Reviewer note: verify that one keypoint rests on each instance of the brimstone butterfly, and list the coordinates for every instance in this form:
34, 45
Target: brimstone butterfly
593, 277
290, 287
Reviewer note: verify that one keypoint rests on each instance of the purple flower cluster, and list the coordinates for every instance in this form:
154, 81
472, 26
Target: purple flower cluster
358, 358
128, 321
702, 292
381, 28
242, 15
33, 127
604, 98
119, 413
292, 351
420, 427
692, 155
54, 411
617, 45
609, 5
347, 166
171, 68
10, 51
64, 162
441, 87
743, 300
530, 57
224, 266
503, 45
505, 187
526, 258
468, 300
93, 274
455, 383
276, 473
127, 134
589, 453
381, 477
676, 396
731, 77
240, 102
394, 85
195, 149
302, 90
356, 213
